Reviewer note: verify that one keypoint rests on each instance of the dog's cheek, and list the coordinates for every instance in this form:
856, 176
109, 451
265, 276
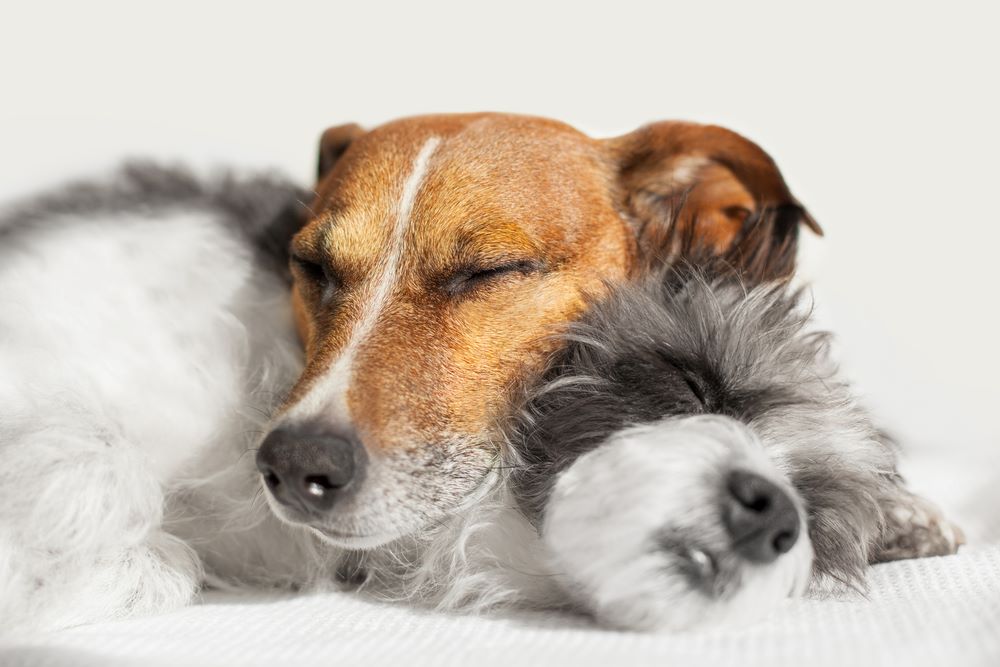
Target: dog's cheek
502, 343
600, 526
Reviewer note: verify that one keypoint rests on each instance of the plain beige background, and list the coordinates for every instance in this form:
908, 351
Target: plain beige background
883, 118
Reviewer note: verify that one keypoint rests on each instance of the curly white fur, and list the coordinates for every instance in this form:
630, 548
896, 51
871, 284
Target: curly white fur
117, 373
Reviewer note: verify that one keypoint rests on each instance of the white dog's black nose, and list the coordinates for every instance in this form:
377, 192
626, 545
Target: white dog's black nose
307, 471
761, 518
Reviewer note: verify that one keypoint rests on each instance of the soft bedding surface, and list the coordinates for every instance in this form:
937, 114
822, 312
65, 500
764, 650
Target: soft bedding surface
934, 611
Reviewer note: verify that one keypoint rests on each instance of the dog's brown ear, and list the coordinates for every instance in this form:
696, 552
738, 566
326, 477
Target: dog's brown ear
701, 191
333, 143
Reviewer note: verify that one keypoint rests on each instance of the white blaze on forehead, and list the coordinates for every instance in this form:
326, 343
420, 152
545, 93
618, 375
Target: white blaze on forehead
329, 393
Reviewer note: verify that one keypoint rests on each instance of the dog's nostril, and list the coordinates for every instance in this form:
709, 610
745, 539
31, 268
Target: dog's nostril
751, 491
784, 541
758, 504
272, 480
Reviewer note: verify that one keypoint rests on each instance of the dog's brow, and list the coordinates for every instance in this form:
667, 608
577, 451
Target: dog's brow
313, 238
485, 244
321, 243
306, 246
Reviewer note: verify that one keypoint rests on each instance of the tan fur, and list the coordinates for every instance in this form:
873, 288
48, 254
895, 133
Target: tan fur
437, 366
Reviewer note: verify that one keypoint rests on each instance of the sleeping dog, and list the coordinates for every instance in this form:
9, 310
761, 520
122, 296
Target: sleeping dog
741, 466
404, 398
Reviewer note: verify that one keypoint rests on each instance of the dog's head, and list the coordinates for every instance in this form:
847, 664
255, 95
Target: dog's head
442, 255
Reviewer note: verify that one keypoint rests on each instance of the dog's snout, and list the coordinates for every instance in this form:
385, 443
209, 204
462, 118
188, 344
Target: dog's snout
761, 518
307, 471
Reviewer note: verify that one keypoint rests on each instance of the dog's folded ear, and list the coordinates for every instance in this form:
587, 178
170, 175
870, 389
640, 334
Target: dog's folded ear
333, 143
697, 192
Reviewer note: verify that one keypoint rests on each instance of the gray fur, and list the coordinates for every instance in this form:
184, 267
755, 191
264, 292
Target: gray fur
266, 209
694, 342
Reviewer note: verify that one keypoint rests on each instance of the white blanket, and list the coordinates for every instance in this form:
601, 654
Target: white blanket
935, 611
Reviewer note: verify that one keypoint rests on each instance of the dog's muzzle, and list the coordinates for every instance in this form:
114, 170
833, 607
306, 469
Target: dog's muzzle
309, 471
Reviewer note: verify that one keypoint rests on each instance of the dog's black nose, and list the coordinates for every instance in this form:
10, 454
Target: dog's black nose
761, 519
307, 471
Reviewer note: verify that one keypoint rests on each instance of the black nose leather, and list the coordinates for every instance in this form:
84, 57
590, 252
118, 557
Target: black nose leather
761, 518
307, 471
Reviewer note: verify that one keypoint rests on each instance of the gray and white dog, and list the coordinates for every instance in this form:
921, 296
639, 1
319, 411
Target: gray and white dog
694, 392
690, 457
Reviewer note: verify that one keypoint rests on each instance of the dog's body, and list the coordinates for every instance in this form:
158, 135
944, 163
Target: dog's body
148, 345
124, 375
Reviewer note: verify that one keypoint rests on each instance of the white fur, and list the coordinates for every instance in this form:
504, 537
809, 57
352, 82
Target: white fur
612, 506
329, 394
125, 360
105, 312
487, 555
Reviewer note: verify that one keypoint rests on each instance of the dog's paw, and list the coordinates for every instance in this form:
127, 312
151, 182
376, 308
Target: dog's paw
674, 524
39, 595
915, 528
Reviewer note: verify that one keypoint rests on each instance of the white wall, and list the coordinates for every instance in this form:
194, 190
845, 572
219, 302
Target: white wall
884, 120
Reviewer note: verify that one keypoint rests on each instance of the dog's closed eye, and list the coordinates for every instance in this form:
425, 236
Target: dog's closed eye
315, 274
467, 279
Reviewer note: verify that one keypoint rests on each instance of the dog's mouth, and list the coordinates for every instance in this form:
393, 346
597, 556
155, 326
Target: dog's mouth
353, 541
401, 496
701, 563
699, 566
702, 567
343, 538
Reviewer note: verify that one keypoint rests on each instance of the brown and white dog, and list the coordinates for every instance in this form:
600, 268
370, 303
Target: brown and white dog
441, 260
442, 255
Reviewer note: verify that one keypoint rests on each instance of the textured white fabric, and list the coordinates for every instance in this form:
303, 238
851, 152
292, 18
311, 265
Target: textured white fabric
937, 611
933, 611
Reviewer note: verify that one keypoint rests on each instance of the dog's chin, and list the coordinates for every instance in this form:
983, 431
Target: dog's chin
354, 542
